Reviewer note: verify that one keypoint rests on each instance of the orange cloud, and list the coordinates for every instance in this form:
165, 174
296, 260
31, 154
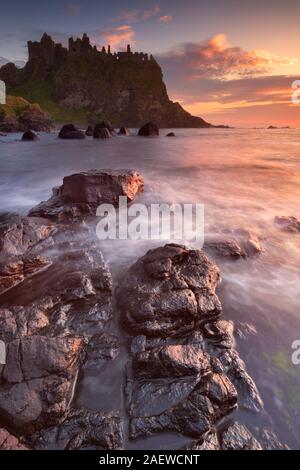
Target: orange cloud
117, 37
165, 19
217, 78
215, 58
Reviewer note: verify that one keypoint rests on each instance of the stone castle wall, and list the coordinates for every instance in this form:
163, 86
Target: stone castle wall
51, 52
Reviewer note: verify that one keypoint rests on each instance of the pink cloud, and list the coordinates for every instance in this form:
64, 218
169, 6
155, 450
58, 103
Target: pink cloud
215, 58
138, 15
165, 19
117, 37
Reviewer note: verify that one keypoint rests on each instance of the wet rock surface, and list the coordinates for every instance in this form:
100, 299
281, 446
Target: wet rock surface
81, 193
10, 442
288, 224
53, 327
169, 291
82, 430
58, 314
233, 244
184, 375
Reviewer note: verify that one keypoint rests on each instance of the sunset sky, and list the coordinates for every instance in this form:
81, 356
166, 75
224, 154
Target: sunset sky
231, 62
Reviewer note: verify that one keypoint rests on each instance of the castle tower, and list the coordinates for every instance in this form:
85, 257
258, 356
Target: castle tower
128, 49
108, 50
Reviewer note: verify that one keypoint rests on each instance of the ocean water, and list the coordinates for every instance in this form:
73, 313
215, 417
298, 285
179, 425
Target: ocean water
244, 178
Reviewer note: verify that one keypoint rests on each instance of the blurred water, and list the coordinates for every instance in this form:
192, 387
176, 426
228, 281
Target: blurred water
244, 178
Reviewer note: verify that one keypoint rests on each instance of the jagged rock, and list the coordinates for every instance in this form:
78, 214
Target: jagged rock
270, 441
184, 375
191, 417
15, 269
48, 337
249, 397
238, 437
168, 291
82, 193
149, 129
10, 442
29, 136
208, 442
38, 381
171, 134
233, 244
220, 332
82, 430
19, 234
101, 348
288, 224
89, 132
102, 133
171, 361
69, 131
123, 131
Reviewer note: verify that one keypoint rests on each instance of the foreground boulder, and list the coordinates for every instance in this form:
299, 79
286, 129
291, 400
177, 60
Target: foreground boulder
149, 129
184, 375
82, 193
69, 131
288, 224
29, 136
169, 291
38, 385
48, 338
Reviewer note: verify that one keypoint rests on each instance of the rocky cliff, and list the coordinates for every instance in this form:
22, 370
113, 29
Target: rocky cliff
125, 88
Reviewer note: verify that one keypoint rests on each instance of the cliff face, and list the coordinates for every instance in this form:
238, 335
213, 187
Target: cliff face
125, 88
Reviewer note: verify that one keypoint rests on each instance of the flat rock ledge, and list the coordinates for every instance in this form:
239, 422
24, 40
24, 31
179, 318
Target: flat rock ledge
184, 375
81, 193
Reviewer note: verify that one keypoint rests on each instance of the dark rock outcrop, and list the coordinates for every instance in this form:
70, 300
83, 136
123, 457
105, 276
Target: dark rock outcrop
19, 234
185, 375
102, 125
233, 244
124, 131
238, 437
82, 430
69, 131
149, 129
10, 442
102, 133
82, 193
171, 134
30, 136
288, 224
169, 291
48, 338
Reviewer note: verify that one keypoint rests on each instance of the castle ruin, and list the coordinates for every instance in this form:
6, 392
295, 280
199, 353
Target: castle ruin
54, 53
